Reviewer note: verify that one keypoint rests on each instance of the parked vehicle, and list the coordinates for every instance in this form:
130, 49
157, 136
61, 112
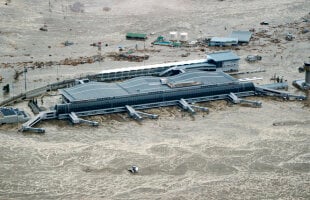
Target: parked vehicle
253, 58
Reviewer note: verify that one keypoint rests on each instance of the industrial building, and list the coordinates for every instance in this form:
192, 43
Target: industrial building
224, 61
235, 38
12, 115
242, 36
219, 61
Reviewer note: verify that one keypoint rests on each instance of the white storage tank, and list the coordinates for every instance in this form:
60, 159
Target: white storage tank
173, 36
183, 37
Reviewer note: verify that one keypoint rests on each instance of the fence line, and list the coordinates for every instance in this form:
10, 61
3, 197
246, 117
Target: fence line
37, 92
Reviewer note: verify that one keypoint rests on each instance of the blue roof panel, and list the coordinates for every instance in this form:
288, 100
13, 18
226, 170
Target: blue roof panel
7, 111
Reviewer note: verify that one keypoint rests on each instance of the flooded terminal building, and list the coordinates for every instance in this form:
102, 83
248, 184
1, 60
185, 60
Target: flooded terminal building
182, 85
144, 92
100, 98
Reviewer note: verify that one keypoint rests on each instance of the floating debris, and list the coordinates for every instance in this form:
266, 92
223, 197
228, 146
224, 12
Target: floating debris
6, 88
290, 123
77, 7
67, 61
43, 28
128, 57
253, 58
185, 54
133, 169
264, 23
289, 37
106, 9
67, 43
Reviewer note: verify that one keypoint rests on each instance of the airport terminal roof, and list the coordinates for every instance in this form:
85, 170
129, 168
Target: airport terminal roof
223, 56
146, 84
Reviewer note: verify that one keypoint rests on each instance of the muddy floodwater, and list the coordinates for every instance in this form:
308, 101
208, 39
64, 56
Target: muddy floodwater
234, 152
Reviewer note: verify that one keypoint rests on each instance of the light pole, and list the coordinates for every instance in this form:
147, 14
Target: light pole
57, 69
25, 73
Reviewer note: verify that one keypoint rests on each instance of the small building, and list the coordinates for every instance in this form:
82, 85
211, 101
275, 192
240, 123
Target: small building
223, 41
12, 115
136, 36
224, 61
242, 36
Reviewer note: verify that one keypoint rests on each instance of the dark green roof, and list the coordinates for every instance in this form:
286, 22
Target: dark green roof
136, 35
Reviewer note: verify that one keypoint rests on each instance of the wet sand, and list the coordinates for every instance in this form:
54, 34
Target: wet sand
234, 152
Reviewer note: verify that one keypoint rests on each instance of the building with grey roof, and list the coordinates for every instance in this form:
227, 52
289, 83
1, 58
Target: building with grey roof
224, 61
242, 36
12, 115
152, 91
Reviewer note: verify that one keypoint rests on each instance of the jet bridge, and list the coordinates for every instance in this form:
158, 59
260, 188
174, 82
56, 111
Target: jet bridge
76, 120
138, 115
261, 90
236, 100
45, 115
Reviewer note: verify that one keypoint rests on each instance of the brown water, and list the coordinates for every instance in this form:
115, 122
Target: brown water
235, 152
